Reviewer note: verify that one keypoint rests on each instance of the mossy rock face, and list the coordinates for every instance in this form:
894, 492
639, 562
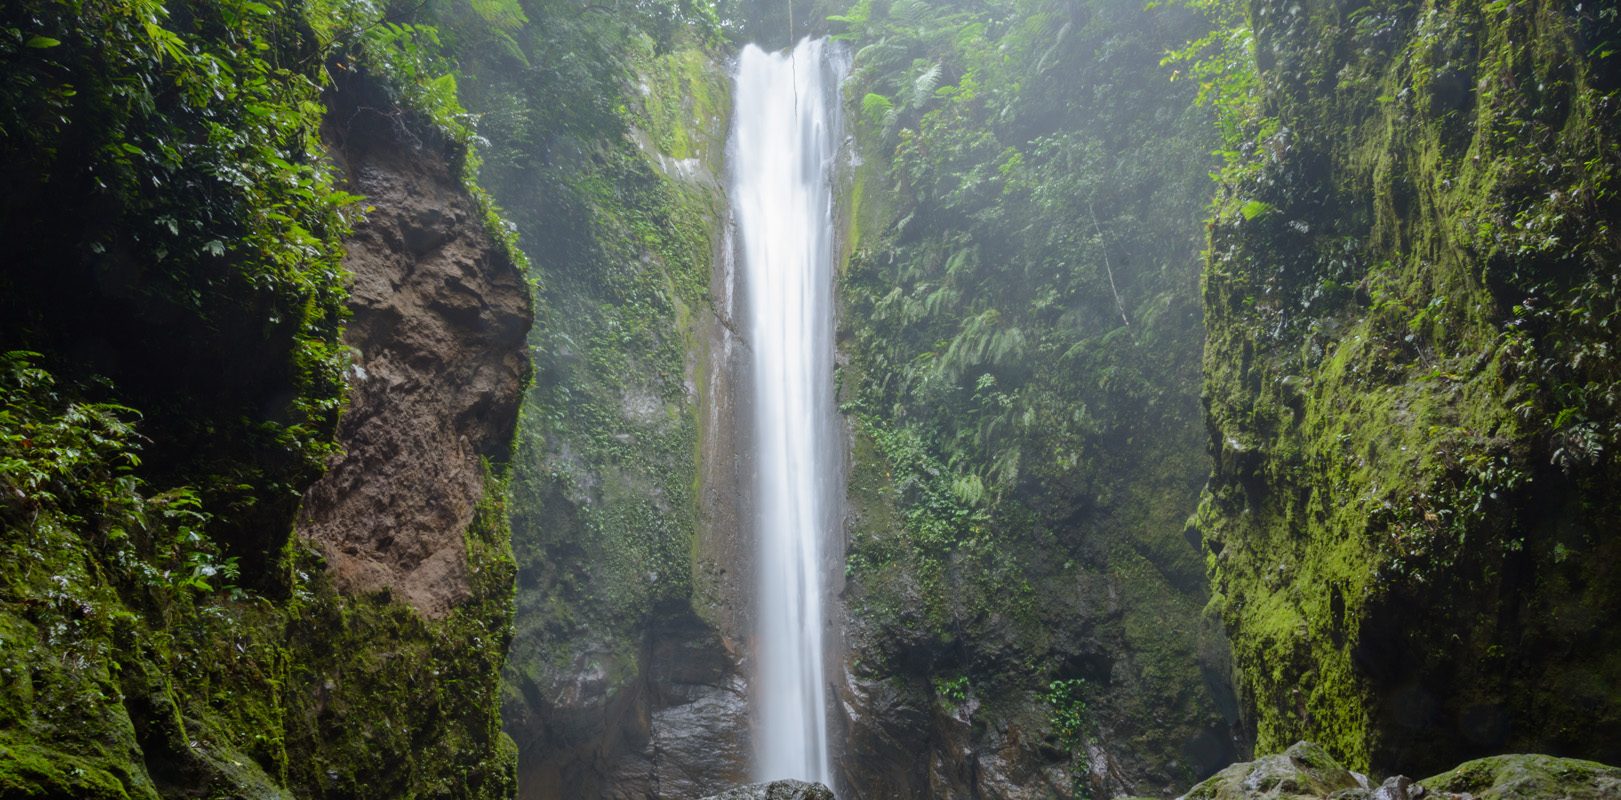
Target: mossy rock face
1019, 347
120, 677
622, 679
1410, 388
1303, 771
31, 772
1524, 777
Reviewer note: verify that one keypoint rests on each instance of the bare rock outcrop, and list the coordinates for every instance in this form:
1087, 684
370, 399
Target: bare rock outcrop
437, 336
777, 790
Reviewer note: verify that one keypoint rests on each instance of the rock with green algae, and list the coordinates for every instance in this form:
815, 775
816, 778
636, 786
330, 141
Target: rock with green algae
1304, 770
28, 771
1522, 777
1307, 771
1407, 526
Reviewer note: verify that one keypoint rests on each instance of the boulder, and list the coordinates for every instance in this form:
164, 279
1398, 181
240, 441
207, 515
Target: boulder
1307, 771
1303, 771
1522, 777
777, 790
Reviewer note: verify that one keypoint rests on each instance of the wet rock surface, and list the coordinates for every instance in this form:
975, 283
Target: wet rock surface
777, 790
677, 730
437, 341
626, 675
927, 712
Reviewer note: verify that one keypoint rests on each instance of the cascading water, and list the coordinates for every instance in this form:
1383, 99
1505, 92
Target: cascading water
783, 146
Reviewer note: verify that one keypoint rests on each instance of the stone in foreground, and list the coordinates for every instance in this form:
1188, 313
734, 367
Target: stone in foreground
777, 790
1523, 777
1306, 772
1303, 771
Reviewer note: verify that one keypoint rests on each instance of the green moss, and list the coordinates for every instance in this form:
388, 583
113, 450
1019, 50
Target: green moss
1514, 777
1303, 771
1396, 473
31, 771
686, 98
132, 668
605, 511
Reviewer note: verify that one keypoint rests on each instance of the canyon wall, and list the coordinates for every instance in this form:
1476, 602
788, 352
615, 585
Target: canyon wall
626, 676
1410, 383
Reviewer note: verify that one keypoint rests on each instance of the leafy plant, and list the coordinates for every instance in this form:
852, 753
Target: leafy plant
1071, 722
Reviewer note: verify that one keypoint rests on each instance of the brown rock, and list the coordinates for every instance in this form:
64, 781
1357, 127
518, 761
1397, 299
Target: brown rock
437, 336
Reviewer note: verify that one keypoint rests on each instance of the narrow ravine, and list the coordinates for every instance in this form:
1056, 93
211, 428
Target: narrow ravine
784, 141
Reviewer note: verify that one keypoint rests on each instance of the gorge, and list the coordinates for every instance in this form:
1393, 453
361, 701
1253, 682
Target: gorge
402, 399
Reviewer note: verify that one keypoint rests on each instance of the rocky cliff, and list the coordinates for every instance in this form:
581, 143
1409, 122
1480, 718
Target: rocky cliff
626, 675
181, 276
1411, 382
437, 365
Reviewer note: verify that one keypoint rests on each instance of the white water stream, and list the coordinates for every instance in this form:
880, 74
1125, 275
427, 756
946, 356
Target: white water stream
784, 140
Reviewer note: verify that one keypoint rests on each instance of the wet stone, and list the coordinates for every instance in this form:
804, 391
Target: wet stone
777, 790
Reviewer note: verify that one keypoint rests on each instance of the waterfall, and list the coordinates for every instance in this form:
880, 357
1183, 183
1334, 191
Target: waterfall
782, 151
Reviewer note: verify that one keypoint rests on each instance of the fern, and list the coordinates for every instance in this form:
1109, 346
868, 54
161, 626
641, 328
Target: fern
923, 87
874, 106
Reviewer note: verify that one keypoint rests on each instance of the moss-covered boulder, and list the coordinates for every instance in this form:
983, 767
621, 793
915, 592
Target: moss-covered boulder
1307, 771
1524, 777
1302, 771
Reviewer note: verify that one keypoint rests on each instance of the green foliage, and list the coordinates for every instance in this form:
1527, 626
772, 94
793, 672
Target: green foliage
1023, 348
177, 233
170, 189
953, 691
605, 504
73, 461
1072, 723
1222, 62
1070, 717
989, 316
133, 668
1002, 342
